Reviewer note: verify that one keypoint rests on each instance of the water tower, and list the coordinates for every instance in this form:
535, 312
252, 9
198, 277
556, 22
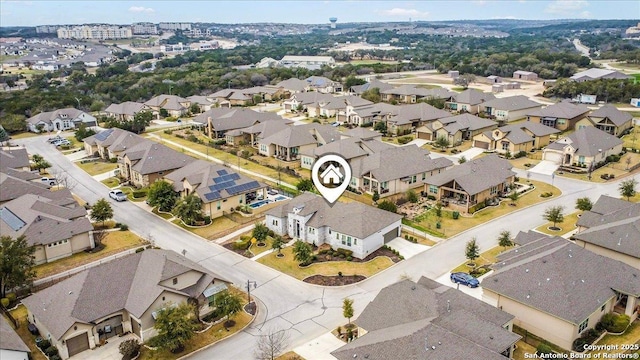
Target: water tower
333, 22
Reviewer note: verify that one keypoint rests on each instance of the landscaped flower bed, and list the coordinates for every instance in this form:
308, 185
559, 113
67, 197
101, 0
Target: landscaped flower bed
334, 280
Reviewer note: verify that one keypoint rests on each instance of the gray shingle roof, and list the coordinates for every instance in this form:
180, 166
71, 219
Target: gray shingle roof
93, 293
292, 84
599, 73
126, 108
564, 280
224, 119
48, 116
588, 141
169, 102
150, 157
467, 121
608, 210
622, 236
406, 319
492, 169
472, 97
10, 339
511, 103
516, 132
561, 110
303, 135
14, 159
362, 133
19, 174
375, 83
311, 97
612, 113
418, 112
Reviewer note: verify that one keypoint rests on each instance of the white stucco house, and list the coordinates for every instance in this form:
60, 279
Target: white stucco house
353, 226
62, 119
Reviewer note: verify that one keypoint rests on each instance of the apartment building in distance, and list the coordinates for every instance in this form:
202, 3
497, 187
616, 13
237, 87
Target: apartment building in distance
95, 32
144, 28
47, 29
174, 26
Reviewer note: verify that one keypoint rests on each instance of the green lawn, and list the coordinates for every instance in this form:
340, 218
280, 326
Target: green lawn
111, 182
629, 141
115, 242
217, 228
451, 227
522, 349
520, 162
631, 336
163, 215
24, 135
617, 169
97, 167
567, 225
486, 258
289, 266
256, 250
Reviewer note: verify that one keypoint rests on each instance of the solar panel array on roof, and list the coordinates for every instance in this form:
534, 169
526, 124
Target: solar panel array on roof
243, 187
222, 172
103, 135
11, 219
226, 178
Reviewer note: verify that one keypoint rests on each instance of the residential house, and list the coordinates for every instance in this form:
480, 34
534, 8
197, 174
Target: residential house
308, 62
220, 189
362, 133
394, 170
204, 103
235, 97
249, 96
455, 129
494, 79
562, 116
524, 136
586, 146
337, 107
265, 93
353, 226
299, 101
608, 119
370, 114
110, 143
218, 121
525, 75
460, 189
59, 120
509, 108
16, 159
16, 183
428, 320
349, 148
125, 111
174, 105
374, 83
147, 162
410, 94
557, 290
119, 296
323, 85
289, 143
12, 347
612, 229
293, 85
53, 222
468, 101
596, 74
252, 134
409, 117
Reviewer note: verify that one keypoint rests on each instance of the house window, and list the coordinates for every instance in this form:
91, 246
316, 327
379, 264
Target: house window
494, 190
348, 240
413, 180
355, 241
603, 306
424, 176
505, 145
583, 326
344, 240
240, 199
274, 222
311, 230
218, 206
562, 121
433, 189
175, 281
581, 159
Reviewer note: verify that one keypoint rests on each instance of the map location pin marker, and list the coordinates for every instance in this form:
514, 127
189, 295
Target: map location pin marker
331, 175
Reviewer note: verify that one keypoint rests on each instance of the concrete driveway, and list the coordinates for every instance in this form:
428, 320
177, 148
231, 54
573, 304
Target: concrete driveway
319, 348
545, 167
407, 248
475, 292
417, 142
109, 351
470, 154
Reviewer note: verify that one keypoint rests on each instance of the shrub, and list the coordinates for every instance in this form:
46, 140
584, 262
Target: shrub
349, 258
139, 250
520, 154
344, 252
44, 344
431, 197
124, 227
5, 302
613, 323
139, 194
406, 236
340, 273
341, 256
129, 348
242, 244
455, 215
588, 337
55, 357
544, 349
12, 297
113, 160
404, 140
51, 350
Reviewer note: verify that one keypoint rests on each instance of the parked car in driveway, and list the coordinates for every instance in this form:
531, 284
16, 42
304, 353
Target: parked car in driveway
51, 140
464, 279
117, 195
49, 181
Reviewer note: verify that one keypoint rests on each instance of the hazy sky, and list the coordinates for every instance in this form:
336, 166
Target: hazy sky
30, 13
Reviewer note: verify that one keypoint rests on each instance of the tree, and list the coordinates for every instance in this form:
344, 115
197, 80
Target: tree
64, 179
305, 185
302, 252
140, 121
462, 160
504, 239
347, 309
174, 326
271, 345
584, 204
260, 232
189, 209
101, 211
162, 195
163, 113
194, 108
381, 126
514, 196
388, 205
84, 132
465, 80
554, 214
628, 188
16, 263
4, 136
442, 142
376, 196
412, 196
228, 304
13, 123
39, 163
472, 251
372, 95
129, 348
277, 244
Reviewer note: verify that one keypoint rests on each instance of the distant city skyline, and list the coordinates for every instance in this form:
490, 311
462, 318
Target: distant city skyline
32, 13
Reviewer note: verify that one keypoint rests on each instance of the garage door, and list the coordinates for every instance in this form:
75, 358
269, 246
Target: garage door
78, 344
424, 135
481, 144
391, 235
552, 156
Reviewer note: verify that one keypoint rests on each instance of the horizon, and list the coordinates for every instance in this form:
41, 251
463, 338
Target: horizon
34, 13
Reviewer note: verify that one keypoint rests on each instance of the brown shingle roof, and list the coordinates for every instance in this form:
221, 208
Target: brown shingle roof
14, 159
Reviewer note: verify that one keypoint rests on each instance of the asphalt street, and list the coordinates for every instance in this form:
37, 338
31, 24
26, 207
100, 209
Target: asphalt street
307, 311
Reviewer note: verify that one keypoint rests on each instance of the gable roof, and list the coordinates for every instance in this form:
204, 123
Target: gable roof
418, 112
319, 81
374, 83
588, 141
466, 121
92, 294
512, 103
561, 110
406, 319
14, 187
622, 236
612, 113
43, 220
362, 133
607, 210
48, 116
293, 84
516, 132
492, 169
150, 157
224, 119
303, 135
212, 182
472, 97
595, 73
560, 278
125, 108
14, 158
311, 97
169, 102
10, 339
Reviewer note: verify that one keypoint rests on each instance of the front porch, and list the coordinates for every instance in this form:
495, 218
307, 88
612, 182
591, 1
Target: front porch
627, 305
286, 154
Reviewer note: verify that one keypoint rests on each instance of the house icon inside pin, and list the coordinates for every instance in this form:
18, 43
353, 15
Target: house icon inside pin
331, 175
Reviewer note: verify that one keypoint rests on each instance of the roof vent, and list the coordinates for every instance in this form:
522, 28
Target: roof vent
413, 287
548, 279
526, 270
70, 292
